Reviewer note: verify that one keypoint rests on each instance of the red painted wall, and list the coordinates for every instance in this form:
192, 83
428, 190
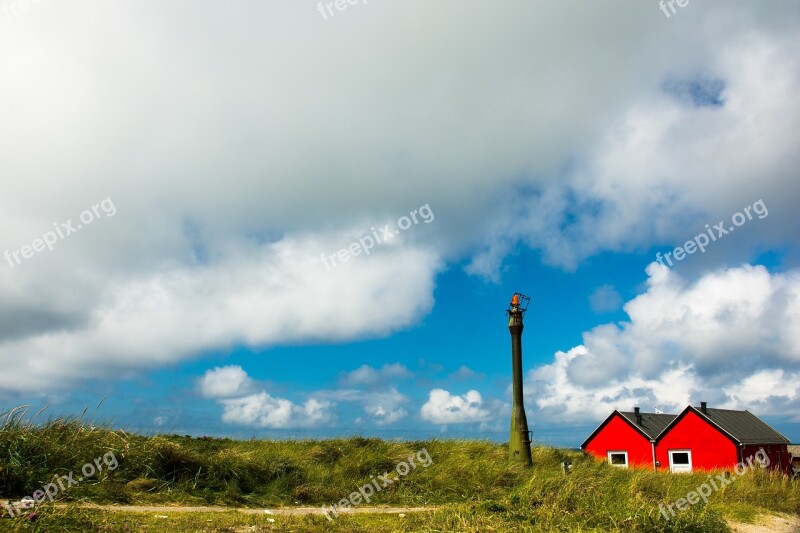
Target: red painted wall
618, 435
710, 448
778, 455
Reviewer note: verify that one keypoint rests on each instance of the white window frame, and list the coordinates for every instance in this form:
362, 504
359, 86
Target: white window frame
671, 464
614, 452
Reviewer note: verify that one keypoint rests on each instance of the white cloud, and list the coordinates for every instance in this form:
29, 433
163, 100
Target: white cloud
384, 407
557, 398
232, 387
774, 391
265, 411
445, 408
225, 382
731, 338
383, 417
277, 293
367, 375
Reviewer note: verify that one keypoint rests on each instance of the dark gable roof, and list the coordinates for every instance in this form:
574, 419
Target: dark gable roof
652, 423
742, 427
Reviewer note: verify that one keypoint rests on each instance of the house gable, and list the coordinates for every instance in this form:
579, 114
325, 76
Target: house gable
612, 416
710, 446
691, 410
617, 434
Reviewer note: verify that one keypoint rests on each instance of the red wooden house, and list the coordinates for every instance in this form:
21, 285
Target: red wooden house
697, 438
627, 439
703, 439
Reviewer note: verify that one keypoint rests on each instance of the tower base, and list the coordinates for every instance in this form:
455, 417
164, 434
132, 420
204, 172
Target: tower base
519, 442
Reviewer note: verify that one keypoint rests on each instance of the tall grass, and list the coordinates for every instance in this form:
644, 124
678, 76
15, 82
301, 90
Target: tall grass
472, 481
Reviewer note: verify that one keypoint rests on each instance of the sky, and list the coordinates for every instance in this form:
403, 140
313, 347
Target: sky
288, 219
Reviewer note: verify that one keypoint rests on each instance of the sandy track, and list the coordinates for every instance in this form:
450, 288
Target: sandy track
281, 511
769, 524
766, 524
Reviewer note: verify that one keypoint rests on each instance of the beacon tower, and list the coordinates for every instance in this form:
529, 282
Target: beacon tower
519, 443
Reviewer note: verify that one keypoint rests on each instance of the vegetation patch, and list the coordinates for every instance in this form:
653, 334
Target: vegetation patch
471, 483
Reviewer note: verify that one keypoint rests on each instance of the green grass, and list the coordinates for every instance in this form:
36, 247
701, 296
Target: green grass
471, 481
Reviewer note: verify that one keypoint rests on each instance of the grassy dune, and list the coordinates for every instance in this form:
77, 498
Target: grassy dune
471, 483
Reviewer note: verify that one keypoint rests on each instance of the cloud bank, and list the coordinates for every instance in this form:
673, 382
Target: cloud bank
238, 150
732, 338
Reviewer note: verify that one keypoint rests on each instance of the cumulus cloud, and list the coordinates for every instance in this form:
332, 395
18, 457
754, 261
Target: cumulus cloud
233, 389
773, 391
271, 294
225, 382
732, 337
557, 398
384, 407
265, 411
445, 408
367, 375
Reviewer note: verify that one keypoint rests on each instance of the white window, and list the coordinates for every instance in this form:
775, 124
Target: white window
680, 461
619, 459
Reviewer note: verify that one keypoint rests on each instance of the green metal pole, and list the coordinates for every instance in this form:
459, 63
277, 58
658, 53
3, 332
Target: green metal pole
519, 440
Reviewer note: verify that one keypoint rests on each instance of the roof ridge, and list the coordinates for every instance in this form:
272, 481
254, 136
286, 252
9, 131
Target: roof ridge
647, 413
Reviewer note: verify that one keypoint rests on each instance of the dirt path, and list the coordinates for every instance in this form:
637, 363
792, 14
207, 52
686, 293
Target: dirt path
284, 511
769, 524
766, 524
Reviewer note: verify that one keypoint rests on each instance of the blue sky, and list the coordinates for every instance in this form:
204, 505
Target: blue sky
260, 221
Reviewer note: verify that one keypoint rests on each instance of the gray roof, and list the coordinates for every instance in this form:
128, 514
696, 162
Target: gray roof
652, 423
744, 426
